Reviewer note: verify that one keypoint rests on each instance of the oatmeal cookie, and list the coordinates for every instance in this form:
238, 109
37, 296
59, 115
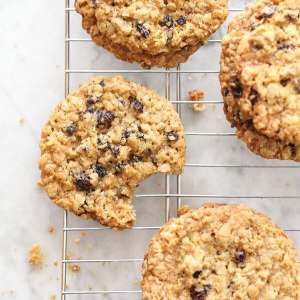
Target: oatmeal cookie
160, 32
221, 252
102, 141
260, 78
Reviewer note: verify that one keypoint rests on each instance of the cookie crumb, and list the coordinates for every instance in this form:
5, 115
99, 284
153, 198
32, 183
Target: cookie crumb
77, 241
21, 121
74, 268
51, 229
197, 96
52, 297
35, 255
83, 233
55, 263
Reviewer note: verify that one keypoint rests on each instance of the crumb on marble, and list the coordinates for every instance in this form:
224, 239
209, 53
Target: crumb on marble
51, 229
74, 268
55, 263
190, 77
52, 297
83, 234
22, 121
197, 96
77, 241
35, 255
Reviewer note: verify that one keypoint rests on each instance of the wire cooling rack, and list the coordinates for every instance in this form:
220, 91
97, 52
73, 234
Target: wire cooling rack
173, 189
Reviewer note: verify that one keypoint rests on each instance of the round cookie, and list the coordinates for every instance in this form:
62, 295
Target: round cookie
221, 252
260, 78
160, 32
102, 141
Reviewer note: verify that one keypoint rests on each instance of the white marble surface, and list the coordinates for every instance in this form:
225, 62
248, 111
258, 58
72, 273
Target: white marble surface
32, 82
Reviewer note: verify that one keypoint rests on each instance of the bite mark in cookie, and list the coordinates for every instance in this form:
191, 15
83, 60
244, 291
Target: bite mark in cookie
102, 141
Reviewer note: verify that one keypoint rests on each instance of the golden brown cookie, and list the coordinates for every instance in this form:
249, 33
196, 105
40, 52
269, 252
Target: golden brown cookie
161, 32
102, 141
221, 252
260, 78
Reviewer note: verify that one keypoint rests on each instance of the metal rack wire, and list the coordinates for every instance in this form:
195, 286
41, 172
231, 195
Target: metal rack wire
167, 195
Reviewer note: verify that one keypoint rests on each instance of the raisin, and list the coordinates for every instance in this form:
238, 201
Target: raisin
167, 21
90, 101
181, 20
100, 170
253, 96
237, 88
257, 46
197, 294
284, 82
137, 105
239, 256
284, 46
102, 83
71, 129
267, 12
105, 118
172, 136
197, 274
142, 30
83, 183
